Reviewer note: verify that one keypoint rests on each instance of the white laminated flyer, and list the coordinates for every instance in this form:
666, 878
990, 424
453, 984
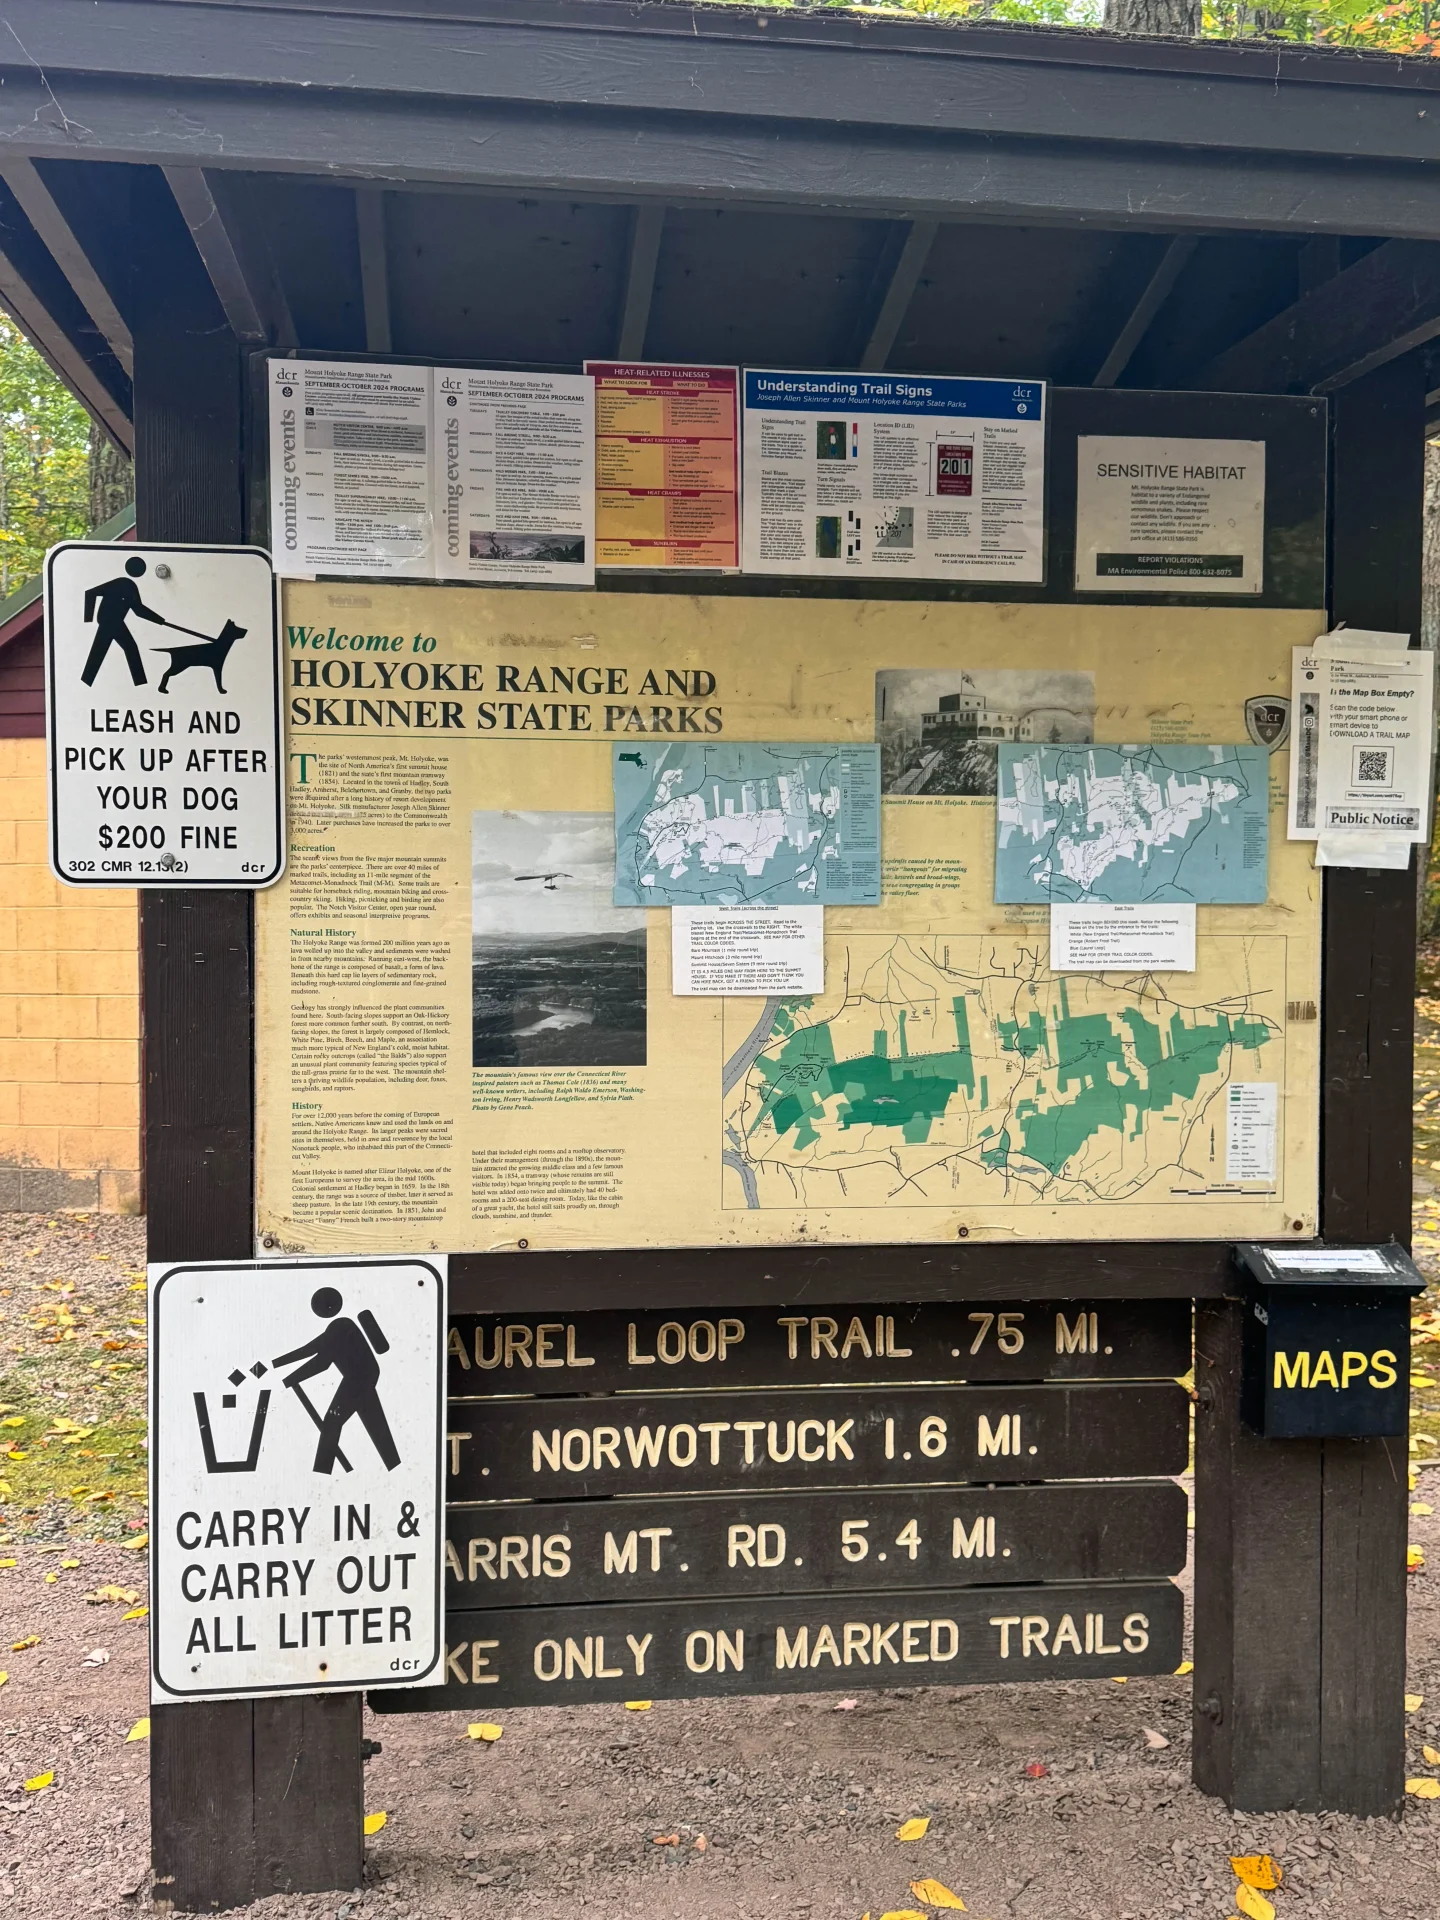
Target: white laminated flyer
893, 475
1169, 516
514, 477
747, 950
1123, 936
1303, 817
350, 486
1375, 731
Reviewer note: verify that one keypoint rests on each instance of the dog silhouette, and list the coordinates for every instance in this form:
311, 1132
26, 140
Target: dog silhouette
204, 653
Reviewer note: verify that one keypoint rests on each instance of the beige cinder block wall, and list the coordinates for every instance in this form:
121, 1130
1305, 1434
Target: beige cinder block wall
69, 1017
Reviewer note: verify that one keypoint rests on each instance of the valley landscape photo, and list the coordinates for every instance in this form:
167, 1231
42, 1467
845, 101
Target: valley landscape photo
557, 970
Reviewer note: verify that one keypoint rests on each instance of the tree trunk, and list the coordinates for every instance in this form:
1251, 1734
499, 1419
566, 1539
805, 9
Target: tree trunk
112, 478
1178, 17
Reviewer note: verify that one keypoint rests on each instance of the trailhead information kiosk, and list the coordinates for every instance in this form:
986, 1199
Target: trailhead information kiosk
853, 744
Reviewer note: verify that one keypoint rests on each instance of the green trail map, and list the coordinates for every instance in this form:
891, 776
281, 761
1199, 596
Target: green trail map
958, 1072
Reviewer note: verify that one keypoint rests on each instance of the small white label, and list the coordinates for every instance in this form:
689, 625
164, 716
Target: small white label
1327, 1259
1100, 939
747, 950
1251, 1108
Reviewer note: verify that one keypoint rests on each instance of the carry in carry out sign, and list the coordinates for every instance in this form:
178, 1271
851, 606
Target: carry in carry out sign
295, 1413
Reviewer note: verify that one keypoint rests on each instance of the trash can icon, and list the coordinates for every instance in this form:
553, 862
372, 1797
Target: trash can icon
207, 1436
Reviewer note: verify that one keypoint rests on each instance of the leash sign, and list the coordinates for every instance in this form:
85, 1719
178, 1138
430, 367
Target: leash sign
163, 701
295, 1466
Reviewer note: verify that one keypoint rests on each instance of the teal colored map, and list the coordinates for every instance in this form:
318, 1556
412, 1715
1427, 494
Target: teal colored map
1162, 825
959, 1072
701, 825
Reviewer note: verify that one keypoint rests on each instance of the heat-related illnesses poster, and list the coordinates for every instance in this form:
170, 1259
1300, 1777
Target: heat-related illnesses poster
466, 1044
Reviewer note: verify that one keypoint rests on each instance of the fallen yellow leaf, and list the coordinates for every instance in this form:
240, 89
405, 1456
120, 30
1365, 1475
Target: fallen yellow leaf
1414, 1702
1185, 1666
15, 1420
932, 1894
638, 1706
127, 1595
7, 1563
3, 1678
1414, 1558
902, 1913
1120, 1679
30, 1640
140, 1541
665, 1840
1423, 1789
373, 1823
67, 1565
40, 1782
913, 1830
135, 1613
51, 1578
484, 1730
1421, 1508
1258, 1870
1254, 1905
140, 1730
1432, 1755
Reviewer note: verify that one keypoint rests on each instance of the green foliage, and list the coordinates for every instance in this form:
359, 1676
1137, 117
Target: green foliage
44, 460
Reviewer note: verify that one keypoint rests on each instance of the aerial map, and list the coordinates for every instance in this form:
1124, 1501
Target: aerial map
744, 824
960, 1072
1152, 824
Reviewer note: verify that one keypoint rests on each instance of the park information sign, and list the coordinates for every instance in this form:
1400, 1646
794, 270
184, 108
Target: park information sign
465, 1038
296, 1415
163, 716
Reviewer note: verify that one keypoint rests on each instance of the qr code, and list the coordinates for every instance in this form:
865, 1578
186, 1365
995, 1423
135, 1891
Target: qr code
1372, 766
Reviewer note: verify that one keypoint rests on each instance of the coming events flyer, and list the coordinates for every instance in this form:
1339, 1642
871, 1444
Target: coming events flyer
465, 1044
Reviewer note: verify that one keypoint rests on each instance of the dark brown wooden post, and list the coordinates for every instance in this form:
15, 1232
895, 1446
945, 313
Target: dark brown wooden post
1300, 1545
246, 1799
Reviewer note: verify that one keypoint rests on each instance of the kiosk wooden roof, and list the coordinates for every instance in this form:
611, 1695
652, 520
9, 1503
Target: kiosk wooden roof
529, 183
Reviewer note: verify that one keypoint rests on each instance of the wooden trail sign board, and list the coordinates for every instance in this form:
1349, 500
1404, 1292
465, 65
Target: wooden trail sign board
606, 1352
813, 1437
774, 1543
563, 1656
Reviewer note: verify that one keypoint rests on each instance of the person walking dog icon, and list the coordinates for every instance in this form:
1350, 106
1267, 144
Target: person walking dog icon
117, 600
350, 1346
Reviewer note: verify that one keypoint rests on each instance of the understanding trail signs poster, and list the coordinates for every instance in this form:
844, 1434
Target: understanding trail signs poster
464, 1042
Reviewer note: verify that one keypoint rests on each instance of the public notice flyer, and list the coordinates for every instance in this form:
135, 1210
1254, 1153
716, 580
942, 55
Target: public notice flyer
1169, 516
350, 484
465, 1043
514, 477
1375, 742
667, 465
893, 475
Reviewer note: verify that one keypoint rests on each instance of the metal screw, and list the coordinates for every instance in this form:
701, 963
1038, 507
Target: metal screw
162, 572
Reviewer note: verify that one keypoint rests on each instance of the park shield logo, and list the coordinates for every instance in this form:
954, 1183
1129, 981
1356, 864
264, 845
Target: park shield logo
1267, 720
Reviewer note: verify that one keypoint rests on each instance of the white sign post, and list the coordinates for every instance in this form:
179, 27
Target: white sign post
162, 688
296, 1462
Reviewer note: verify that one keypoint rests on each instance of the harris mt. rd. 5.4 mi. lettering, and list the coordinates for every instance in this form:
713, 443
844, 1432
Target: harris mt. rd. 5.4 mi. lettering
678, 1547
603, 1352
529, 1449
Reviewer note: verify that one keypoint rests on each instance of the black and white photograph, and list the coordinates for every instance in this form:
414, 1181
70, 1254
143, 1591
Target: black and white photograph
486, 544
939, 727
557, 970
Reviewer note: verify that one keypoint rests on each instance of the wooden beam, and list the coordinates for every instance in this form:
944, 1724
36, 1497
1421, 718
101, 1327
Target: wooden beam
856, 73
61, 354
40, 209
645, 236
807, 164
374, 268
1172, 264
217, 250
898, 295
1372, 313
